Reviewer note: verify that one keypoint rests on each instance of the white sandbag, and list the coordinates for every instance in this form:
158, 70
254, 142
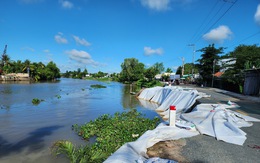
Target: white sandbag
173, 97
161, 95
149, 93
217, 121
130, 152
183, 104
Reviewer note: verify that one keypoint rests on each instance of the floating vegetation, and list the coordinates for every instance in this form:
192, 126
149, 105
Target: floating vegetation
6, 91
5, 107
58, 96
83, 89
36, 101
111, 132
97, 86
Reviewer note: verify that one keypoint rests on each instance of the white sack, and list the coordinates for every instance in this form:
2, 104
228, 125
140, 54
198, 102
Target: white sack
130, 152
217, 121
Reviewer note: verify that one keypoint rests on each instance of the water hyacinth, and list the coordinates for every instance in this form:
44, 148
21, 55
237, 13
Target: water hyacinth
110, 133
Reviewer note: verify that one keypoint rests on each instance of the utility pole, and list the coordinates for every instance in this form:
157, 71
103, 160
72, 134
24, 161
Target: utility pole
182, 70
213, 72
193, 58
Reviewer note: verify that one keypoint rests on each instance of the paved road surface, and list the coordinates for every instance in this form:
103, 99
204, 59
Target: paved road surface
206, 149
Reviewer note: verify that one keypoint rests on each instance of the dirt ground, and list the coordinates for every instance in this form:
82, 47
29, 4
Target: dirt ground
168, 150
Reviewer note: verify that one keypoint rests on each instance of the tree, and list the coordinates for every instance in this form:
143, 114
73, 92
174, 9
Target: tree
159, 68
178, 71
150, 73
52, 72
242, 58
188, 69
207, 63
169, 70
132, 70
99, 74
5, 58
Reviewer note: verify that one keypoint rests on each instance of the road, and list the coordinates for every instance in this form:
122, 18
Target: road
206, 149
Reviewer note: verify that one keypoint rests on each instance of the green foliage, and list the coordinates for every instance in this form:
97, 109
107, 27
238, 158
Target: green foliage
58, 96
168, 70
80, 155
150, 72
111, 133
75, 74
97, 86
52, 71
99, 74
36, 101
165, 77
243, 57
105, 79
209, 54
148, 84
37, 71
159, 68
132, 70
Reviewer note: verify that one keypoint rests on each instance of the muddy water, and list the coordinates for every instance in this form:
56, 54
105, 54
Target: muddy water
28, 131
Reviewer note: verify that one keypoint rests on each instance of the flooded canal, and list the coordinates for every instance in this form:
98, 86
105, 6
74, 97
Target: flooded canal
27, 131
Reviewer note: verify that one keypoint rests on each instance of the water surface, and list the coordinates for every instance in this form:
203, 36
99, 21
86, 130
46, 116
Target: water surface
27, 131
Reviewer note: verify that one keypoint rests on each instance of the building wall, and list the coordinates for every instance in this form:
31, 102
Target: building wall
252, 82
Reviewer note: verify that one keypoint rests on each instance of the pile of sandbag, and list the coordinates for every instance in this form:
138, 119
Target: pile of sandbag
210, 119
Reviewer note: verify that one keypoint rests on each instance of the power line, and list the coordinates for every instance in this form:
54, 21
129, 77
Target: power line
222, 15
248, 37
210, 21
203, 22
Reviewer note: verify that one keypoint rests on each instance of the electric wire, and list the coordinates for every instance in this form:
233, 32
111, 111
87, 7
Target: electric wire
221, 16
210, 21
243, 40
203, 22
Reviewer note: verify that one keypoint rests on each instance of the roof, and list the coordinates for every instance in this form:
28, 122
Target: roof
218, 74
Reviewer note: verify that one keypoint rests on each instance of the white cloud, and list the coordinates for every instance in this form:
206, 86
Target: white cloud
257, 15
27, 48
46, 51
149, 51
66, 4
81, 41
60, 39
218, 35
158, 5
81, 57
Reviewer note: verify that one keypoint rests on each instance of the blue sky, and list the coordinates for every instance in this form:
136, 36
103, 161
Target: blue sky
100, 34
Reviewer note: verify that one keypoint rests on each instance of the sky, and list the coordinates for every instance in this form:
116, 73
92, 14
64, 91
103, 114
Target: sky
99, 34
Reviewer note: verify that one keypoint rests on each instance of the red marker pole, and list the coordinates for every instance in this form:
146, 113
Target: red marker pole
172, 116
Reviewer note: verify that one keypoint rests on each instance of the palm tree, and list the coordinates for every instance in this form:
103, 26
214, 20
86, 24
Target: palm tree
5, 59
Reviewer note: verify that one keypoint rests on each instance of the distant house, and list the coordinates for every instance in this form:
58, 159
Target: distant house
158, 76
226, 63
218, 74
15, 77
